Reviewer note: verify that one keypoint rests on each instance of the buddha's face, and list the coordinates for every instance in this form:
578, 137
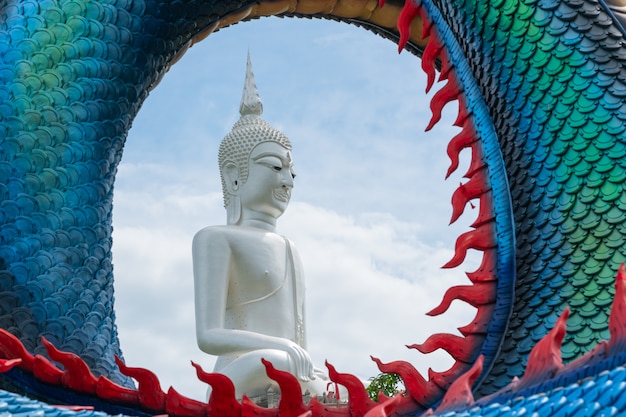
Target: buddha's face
267, 189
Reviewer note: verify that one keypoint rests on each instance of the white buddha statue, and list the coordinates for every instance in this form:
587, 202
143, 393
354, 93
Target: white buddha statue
249, 284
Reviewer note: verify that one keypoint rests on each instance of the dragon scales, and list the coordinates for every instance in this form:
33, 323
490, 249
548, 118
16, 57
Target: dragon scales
541, 86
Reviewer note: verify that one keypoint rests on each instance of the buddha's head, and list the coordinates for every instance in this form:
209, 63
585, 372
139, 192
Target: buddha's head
253, 143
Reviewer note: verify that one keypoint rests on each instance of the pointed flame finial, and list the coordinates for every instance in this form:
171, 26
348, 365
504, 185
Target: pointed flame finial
250, 100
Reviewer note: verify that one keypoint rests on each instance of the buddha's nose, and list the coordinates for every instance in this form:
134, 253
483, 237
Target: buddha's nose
287, 180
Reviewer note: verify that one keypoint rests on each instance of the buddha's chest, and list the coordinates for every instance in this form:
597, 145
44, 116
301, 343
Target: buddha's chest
267, 272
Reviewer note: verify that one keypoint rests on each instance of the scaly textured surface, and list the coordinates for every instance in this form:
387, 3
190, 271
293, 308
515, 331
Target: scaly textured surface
544, 85
559, 67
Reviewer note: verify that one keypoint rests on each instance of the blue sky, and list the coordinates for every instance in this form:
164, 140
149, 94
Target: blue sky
369, 212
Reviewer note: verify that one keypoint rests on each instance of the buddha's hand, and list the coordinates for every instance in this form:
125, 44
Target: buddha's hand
320, 373
304, 369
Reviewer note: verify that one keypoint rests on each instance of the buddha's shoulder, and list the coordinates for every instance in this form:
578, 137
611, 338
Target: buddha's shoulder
227, 234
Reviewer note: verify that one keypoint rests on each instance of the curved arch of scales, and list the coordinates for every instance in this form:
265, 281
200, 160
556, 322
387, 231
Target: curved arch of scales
74, 74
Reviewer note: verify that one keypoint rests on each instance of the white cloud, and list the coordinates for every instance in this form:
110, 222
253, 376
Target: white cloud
368, 289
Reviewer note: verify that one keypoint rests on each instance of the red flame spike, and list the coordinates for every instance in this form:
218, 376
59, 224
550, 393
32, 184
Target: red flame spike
407, 15
445, 95
462, 197
250, 409
545, 359
462, 140
319, 410
480, 239
487, 269
359, 400
446, 67
12, 348
179, 405
290, 391
110, 391
617, 329
480, 324
475, 295
617, 319
444, 379
149, 389
460, 348
485, 211
465, 193
431, 52
427, 24
8, 364
387, 408
407, 405
222, 401
45, 371
77, 375
460, 392
414, 382
477, 163
323, 410
463, 110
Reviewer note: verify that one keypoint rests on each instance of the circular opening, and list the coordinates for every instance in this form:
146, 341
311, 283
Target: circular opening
369, 211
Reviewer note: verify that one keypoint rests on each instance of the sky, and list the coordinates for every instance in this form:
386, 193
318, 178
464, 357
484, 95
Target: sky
369, 211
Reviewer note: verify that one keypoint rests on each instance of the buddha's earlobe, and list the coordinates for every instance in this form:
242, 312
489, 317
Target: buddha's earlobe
230, 172
231, 176
233, 210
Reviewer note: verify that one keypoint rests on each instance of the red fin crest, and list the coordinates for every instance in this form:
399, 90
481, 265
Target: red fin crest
476, 187
407, 15
149, 389
431, 52
45, 370
12, 348
480, 324
222, 401
179, 405
460, 392
291, 393
545, 359
445, 378
414, 382
482, 238
459, 347
461, 141
386, 408
449, 92
617, 319
77, 375
487, 269
250, 409
359, 400
475, 295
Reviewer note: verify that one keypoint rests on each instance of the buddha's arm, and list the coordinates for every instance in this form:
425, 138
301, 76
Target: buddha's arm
301, 284
211, 263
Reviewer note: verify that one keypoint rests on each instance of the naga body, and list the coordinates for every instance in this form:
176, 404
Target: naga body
541, 86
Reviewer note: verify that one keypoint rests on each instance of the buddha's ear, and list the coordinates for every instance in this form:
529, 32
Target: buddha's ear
231, 173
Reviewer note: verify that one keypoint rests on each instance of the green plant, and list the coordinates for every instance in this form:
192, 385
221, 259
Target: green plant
388, 384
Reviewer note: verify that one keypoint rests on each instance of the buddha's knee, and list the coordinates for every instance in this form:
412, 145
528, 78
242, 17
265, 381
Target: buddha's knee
249, 375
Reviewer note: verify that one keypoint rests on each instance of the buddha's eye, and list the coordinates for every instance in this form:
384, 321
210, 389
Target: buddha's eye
277, 169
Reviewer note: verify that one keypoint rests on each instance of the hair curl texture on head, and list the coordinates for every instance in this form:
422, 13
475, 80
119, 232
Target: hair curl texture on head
247, 133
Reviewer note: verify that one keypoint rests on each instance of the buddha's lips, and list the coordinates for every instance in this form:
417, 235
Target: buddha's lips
282, 194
